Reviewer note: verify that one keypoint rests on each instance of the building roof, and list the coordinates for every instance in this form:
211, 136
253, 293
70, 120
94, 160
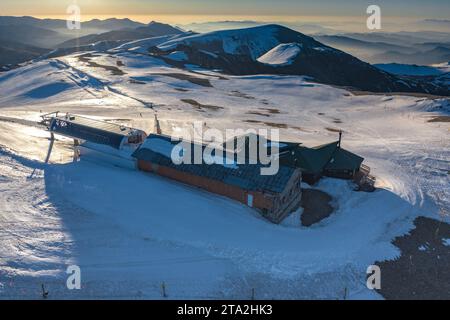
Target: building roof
92, 130
238, 143
157, 149
328, 156
344, 160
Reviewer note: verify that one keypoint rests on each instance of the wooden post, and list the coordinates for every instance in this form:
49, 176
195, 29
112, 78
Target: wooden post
157, 126
50, 147
44, 293
76, 150
163, 287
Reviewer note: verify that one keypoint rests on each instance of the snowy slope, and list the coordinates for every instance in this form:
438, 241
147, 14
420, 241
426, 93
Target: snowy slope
202, 245
282, 55
142, 45
233, 41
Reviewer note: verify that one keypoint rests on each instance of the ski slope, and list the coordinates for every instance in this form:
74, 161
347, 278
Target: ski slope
130, 232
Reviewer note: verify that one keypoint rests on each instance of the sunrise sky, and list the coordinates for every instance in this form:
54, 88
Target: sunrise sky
280, 8
187, 11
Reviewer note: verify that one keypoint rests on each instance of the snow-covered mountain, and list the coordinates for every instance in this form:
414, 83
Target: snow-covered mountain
247, 51
249, 42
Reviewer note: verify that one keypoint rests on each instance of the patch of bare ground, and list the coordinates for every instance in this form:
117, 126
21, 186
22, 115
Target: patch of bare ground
423, 269
217, 76
239, 94
86, 58
276, 125
186, 77
117, 120
440, 119
258, 113
333, 129
390, 94
181, 89
271, 110
133, 81
316, 206
270, 124
201, 106
300, 129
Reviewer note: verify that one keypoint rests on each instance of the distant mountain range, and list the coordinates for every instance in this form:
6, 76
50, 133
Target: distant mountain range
48, 33
60, 25
12, 53
435, 55
414, 70
267, 49
426, 47
27, 38
274, 49
153, 29
31, 35
349, 43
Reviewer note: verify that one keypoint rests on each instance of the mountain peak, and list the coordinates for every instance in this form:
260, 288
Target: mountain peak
275, 49
253, 41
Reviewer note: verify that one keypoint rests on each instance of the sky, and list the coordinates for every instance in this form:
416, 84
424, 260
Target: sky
277, 8
337, 15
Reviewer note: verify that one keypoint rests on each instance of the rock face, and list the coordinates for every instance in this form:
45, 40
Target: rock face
237, 52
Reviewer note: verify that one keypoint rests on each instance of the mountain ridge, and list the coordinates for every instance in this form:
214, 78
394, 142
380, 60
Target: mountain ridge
236, 52
153, 29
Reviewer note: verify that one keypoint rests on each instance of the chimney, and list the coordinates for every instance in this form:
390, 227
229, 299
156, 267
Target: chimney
157, 126
340, 138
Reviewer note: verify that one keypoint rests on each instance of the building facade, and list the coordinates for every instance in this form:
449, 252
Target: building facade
274, 196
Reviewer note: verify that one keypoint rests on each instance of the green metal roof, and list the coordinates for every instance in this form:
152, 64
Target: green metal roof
313, 160
327, 156
344, 160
